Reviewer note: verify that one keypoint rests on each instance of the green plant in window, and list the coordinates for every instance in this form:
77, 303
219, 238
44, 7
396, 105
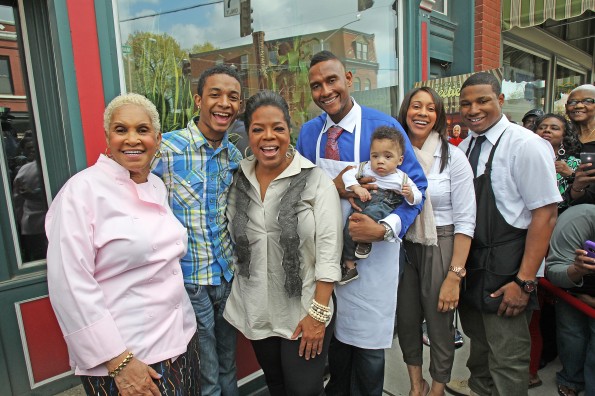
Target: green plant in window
290, 78
158, 69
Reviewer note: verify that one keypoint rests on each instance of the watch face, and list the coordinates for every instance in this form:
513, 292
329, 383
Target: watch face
529, 287
462, 272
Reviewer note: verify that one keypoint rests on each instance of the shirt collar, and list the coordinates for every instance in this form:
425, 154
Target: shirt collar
295, 167
350, 122
494, 133
198, 139
121, 174
111, 166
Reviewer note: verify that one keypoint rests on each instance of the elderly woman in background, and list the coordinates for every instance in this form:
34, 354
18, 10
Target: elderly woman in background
286, 222
114, 276
437, 244
580, 108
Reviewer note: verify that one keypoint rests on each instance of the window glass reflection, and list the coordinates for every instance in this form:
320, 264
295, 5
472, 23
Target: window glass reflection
23, 177
159, 35
524, 82
566, 80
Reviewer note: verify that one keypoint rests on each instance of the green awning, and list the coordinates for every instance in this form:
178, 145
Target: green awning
527, 13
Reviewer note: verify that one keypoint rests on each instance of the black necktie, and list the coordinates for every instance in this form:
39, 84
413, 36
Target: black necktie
474, 156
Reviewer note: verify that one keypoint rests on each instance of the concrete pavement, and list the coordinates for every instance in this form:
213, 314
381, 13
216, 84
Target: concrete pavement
396, 382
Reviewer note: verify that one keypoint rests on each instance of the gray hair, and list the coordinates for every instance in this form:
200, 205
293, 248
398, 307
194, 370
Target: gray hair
585, 87
131, 99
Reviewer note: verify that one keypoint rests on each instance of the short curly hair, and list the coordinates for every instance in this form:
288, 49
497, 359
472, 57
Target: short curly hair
134, 99
392, 134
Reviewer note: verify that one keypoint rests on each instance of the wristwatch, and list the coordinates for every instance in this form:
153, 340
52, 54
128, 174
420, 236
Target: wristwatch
388, 233
459, 271
528, 286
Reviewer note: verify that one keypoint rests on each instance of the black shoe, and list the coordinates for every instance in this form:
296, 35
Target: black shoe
349, 274
362, 250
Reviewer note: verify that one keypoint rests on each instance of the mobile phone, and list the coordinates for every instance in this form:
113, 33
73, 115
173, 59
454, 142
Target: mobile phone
589, 247
588, 157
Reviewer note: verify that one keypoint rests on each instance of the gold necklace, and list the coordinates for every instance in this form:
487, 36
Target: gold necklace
585, 138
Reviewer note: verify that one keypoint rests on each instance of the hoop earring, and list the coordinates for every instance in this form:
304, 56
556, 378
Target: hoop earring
248, 156
107, 153
157, 154
290, 151
561, 150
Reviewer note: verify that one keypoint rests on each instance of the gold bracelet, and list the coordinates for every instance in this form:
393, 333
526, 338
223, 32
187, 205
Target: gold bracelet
121, 366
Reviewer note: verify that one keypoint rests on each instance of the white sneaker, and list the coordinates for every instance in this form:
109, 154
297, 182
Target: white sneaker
459, 387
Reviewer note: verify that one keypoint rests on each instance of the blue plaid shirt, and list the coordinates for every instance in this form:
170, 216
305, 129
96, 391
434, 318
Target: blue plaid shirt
198, 178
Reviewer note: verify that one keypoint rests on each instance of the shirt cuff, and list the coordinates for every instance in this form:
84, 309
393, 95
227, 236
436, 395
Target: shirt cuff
96, 344
394, 222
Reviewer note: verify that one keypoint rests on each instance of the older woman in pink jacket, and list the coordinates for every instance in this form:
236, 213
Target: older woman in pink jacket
114, 276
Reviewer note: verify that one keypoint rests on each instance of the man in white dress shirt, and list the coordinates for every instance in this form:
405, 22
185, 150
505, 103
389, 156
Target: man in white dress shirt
516, 213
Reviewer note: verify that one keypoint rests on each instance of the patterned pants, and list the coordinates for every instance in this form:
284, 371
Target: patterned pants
179, 378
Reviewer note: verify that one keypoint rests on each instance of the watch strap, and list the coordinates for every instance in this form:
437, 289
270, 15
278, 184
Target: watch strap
458, 271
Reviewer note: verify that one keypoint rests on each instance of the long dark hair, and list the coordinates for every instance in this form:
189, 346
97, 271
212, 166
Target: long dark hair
439, 125
570, 141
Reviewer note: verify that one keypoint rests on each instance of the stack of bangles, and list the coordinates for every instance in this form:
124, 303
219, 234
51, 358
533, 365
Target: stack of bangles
319, 312
121, 366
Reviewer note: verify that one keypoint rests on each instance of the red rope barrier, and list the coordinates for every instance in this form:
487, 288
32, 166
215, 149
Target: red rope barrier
567, 297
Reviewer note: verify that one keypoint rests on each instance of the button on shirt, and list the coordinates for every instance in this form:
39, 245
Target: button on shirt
451, 191
114, 249
198, 178
258, 306
523, 172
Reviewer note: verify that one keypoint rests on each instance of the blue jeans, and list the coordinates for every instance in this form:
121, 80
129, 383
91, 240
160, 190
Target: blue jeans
217, 339
383, 202
354, 371
576, 348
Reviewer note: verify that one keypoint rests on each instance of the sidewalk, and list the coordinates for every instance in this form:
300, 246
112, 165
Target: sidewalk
396, 382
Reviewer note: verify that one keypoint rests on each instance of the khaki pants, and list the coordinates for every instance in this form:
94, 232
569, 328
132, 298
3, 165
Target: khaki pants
419, 289
500, 352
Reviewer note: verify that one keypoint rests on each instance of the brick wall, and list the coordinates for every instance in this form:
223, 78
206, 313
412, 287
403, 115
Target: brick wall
488, 37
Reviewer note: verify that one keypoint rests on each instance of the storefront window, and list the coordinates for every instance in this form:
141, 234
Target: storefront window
566, 80
157, 35
524, 82
20, 166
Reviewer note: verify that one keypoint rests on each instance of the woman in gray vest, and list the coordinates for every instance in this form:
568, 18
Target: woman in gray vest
286, 224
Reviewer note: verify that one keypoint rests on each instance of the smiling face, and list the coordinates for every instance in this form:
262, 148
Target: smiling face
132, 140
552, 130
581, 113
421, 116
329, 85
219, 105
481, 108
268, 135
385, 156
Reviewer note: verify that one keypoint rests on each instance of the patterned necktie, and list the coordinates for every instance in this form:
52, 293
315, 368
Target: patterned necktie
331, 150
474, 156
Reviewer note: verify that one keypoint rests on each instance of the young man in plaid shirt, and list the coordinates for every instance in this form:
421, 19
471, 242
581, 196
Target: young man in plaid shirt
197, 165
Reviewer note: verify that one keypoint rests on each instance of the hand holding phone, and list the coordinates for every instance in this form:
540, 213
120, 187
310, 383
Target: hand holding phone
589, 247
588, 158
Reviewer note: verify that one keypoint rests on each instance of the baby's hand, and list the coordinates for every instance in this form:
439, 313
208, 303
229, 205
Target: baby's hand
407, 192
362, 193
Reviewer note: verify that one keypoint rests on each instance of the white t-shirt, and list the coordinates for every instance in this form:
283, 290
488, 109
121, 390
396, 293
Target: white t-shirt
392, 181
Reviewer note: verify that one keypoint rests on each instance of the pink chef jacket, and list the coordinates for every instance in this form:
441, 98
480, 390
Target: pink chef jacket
114, 277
